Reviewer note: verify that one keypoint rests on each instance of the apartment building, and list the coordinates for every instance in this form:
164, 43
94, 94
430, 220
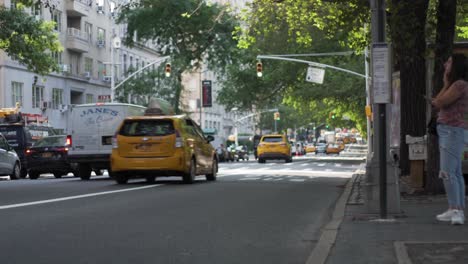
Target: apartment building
91, 42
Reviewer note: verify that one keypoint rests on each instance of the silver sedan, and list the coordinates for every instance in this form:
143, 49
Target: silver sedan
9, 160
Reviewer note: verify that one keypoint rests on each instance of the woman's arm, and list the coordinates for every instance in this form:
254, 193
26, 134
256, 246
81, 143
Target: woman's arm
448, 95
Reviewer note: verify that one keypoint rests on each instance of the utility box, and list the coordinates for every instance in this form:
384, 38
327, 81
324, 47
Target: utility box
417, 147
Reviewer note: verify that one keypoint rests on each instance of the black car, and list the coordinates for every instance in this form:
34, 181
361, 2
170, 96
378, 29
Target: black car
21, 136
48, 155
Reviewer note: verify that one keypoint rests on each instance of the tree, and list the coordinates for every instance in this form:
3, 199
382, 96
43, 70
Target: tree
284, 82
27, 40
192, 32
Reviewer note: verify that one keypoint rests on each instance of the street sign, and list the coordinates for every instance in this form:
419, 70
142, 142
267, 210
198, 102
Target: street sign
315, 75
206, 94
381, 73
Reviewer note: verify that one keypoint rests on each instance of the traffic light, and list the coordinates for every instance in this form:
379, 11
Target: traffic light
276, 116
259, 69
331, 115
167, 70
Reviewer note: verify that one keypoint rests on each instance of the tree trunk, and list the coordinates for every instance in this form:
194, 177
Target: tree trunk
446, 17
407, 28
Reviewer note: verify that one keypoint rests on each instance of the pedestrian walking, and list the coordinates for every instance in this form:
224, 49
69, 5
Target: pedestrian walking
452, 104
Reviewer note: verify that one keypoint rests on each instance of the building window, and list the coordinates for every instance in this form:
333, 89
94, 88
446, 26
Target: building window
37, 96
36, 10
57, 18
57, 57
125, 64
13, 4
131, 63
89, 98
57, 98
89, 31
88, 67
101, 34
101, 70
16, 93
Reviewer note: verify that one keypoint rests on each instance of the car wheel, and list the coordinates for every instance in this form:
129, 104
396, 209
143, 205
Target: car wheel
98, 172
289, 160
120, 178
84, 171
214, 169
23, 173
33, 175
58, 174
150, 179
189, 177
261, 160
16, 174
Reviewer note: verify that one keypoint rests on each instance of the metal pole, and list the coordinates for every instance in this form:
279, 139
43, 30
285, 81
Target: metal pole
112, 66
276, 130
368, 101
378, 36
201, 97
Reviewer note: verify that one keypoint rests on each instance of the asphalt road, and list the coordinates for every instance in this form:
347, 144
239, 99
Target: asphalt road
255, 213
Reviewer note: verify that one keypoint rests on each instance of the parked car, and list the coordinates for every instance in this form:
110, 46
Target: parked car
10, 163
49, 155
320, 148
21, 136
274, 147
310, 148
162, 145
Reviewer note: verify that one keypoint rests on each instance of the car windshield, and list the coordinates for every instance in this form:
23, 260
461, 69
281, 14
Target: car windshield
147, 128
272, 139
51, 142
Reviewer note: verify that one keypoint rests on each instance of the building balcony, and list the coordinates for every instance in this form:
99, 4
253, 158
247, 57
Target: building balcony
77, 40
78, 7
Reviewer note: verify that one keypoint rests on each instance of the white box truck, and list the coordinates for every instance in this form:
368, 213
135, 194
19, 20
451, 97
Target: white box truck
90, 130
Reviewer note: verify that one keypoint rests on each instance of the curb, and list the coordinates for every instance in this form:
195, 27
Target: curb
327, 239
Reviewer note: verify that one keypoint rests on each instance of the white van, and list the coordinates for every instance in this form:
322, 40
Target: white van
90, 130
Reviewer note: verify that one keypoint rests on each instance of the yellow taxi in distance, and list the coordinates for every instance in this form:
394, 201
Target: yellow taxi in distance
274, 147
310, 148
163, 145
333, 149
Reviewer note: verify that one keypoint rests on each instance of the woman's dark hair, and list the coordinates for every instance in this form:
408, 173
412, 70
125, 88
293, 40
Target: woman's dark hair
459, 68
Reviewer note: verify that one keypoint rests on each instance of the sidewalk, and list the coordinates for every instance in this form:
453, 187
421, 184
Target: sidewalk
415, 236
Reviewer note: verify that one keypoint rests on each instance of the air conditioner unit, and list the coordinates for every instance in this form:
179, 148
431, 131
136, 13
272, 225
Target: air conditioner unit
44, 105
63, 108
100, 9
65, 68
101, 43
87, 75
106, 78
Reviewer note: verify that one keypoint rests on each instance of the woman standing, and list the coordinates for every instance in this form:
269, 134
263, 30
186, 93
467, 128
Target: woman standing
452, 103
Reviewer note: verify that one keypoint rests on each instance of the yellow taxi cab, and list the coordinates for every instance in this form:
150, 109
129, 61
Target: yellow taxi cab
332, 149
341, 144
162, 145
274, 147
310, 148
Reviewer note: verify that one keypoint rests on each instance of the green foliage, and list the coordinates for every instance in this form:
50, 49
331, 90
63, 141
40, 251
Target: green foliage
283, 83
192, 32
28, 41
462, 20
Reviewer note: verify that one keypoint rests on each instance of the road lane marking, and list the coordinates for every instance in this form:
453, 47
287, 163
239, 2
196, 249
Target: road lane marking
2, 207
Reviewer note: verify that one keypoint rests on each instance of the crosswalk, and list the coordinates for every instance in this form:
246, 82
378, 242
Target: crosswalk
298, 171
